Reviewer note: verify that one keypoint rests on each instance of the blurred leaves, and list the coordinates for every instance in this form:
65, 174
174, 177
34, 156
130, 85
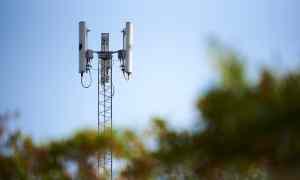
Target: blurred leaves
251, 128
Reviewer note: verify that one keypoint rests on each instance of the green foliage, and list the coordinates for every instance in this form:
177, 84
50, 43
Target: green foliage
252, 130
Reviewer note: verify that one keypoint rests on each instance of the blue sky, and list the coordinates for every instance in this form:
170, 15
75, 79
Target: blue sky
39, 62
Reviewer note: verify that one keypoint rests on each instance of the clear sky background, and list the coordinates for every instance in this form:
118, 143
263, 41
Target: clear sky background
39, 57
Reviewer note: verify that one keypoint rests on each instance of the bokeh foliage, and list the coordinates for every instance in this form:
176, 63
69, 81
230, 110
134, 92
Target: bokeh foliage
251, 132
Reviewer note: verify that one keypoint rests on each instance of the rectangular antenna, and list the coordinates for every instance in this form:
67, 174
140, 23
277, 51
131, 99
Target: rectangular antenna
82, 47
128, 47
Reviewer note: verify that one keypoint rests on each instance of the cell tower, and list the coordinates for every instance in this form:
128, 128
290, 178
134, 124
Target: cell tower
105, 89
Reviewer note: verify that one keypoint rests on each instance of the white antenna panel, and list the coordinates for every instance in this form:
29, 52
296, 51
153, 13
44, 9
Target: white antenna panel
128, 47
82, 47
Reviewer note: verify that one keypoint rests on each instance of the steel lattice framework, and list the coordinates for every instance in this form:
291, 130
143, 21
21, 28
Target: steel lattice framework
105, 95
